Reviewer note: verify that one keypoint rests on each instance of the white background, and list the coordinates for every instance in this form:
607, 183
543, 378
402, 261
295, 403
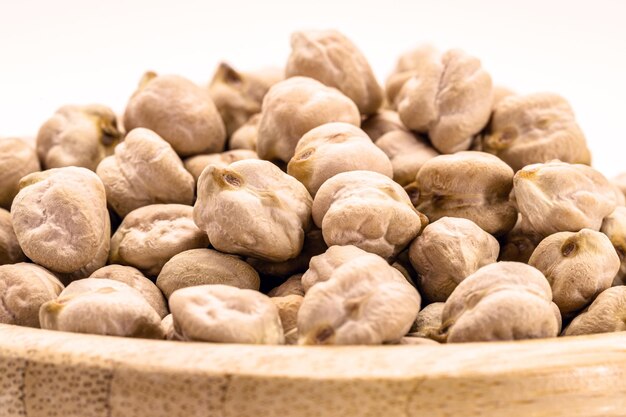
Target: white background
71, 51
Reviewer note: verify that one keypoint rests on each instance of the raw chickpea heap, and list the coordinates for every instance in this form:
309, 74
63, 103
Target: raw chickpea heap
312, 206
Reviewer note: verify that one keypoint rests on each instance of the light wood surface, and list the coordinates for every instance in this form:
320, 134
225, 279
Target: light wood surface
44, 373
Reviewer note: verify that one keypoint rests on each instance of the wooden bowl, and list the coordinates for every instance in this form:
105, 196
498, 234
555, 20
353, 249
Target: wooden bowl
46, 373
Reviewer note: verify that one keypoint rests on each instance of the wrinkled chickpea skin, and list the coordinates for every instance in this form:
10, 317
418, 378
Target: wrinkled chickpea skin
196, 164
17, 159
471, 185
225, 314
558, 197
23, 289
365, 301
614, 227
407, 153
179, 111
101, 306
150, 236
448, 251
578, 266
501, 301
368, 210
293, 107
330, 57
428, 322
605, 314
536, 128
329, 149
381, 123
78, 136
252, 208
246, 136
447, 96
144, 170
61, 220
10, 250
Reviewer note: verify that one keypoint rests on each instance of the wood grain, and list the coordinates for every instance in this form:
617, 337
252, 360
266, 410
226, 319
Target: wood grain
44, 373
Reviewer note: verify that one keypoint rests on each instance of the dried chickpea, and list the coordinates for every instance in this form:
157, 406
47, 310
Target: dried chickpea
501, 301
246, 136
78, 136
559, 197
330, 149
17, 159
135, 279
252, 208
10, 250
293, 107
518, 245
363, 302
578, 266
150, 236
448, 251
428, 321
445, 95
144, 170
101, 306
407, 152
238, 95
196, 164
328, 56
471, 185
368, 210
179, 111
225, 314
324, 265
604, 315
536, 128
614, 227
167, 324
381, 123
61, 220
204, 267
23, 289
288, 307
293, 286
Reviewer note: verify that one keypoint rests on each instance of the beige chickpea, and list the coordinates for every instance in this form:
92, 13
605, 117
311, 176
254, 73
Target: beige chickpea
252, 208
324, 265
614, 227
445, 95
61, 220
578, 266
368, 210
288, 307
204, 267
238, 95
604, 315
225, 314
23, 289
101, 306
428, 321
518, 244
448, 251
363, 302
535, 128
246, 136
328, 56
78, 136
383, 122
167, 324
150, 236
292, 286
559, 197
313, 245
196, 164
499, 94
17, 159
135, 279
293, 107
407, 153
330, 149
501, 301
144, 170
179, 111
471, 185
10, 250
